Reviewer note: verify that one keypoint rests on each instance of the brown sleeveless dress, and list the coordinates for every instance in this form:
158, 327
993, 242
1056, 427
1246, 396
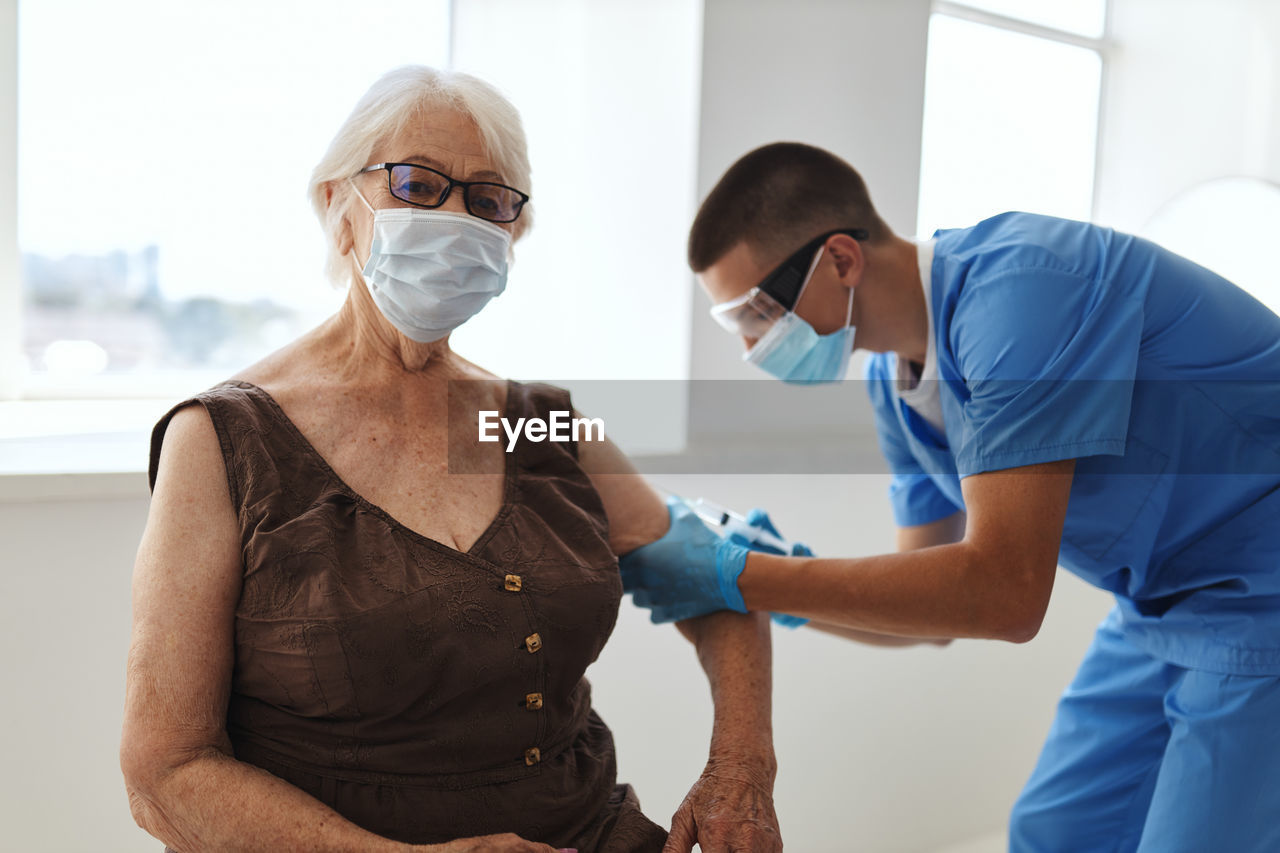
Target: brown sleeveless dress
424, 693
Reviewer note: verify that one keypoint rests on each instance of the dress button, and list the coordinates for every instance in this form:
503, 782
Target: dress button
512, 583
533, 701
532, 756
533, 642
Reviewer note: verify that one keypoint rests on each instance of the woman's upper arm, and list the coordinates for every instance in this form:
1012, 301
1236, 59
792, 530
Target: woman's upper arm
186, 583
637, 513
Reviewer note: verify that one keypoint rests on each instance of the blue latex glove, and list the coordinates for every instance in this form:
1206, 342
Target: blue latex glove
759, 518
689, 572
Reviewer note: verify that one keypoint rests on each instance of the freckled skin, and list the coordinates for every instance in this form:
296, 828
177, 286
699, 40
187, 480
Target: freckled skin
353, 376
390, 387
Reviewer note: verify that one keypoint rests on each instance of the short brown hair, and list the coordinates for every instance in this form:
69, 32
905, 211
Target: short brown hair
777, 198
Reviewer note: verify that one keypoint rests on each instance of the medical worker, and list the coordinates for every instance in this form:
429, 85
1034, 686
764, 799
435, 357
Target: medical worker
1046, 393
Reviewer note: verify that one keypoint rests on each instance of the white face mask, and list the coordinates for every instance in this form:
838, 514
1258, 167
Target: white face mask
430, 271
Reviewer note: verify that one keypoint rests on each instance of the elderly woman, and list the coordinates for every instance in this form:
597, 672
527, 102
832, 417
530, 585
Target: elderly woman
339, 645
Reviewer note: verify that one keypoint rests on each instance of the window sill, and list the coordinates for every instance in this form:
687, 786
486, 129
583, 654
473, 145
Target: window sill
75, 449
61, 487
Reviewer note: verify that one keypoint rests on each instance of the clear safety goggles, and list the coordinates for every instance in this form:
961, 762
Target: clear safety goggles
754, 312
750, 315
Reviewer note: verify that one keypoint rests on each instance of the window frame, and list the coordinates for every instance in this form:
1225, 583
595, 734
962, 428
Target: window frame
11, 362
1103, 46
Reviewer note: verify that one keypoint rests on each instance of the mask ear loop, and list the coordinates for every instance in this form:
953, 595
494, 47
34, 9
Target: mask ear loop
848, 314
365, 201
813, 267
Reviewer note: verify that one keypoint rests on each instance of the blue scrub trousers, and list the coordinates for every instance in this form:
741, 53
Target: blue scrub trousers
1147, 756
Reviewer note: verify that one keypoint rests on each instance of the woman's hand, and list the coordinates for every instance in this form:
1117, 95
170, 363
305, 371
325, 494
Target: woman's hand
728, 810
505, 843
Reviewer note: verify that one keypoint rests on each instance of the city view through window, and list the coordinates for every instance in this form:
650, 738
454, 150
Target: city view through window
163, 223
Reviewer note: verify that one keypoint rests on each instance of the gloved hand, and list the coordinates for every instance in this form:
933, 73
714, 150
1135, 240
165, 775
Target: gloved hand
759, 518
689, 572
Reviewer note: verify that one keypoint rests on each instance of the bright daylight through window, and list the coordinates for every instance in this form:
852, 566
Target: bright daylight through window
1010, 115
165, 234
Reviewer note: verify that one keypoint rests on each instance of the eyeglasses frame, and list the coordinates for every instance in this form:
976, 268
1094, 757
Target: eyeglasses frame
466, 191
784, 282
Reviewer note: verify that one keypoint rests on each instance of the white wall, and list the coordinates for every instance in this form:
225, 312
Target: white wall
848, 77
879, 750
1193, 93
612, 183
65, 566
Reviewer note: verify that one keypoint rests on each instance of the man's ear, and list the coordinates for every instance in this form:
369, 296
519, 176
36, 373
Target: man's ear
849, 259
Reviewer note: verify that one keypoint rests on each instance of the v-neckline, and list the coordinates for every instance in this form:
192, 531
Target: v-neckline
509, 463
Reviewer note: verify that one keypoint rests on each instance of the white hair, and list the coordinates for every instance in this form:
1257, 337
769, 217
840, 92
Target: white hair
397, 98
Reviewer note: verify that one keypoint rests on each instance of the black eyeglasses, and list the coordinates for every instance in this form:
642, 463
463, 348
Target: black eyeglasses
784, 283
425, 187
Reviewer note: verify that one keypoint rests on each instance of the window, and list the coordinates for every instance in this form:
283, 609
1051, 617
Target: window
1083, 17
1011, 110
599, 288
165, 234
166, 240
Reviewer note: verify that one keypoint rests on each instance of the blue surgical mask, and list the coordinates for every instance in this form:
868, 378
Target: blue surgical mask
794, 352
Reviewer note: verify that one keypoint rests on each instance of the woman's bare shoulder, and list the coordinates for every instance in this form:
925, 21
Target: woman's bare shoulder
191, 469
278, 370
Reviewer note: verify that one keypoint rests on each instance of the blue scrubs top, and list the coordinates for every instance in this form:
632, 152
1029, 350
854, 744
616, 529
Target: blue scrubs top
1063, 340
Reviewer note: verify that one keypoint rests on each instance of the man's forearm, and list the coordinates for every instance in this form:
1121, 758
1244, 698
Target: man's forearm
735, 652
871, 638
941, 592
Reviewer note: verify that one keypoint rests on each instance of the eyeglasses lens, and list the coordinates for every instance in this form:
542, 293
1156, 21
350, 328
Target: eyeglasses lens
418, 186
494, 202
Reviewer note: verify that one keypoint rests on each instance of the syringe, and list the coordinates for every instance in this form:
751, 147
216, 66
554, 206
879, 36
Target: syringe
727, 522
